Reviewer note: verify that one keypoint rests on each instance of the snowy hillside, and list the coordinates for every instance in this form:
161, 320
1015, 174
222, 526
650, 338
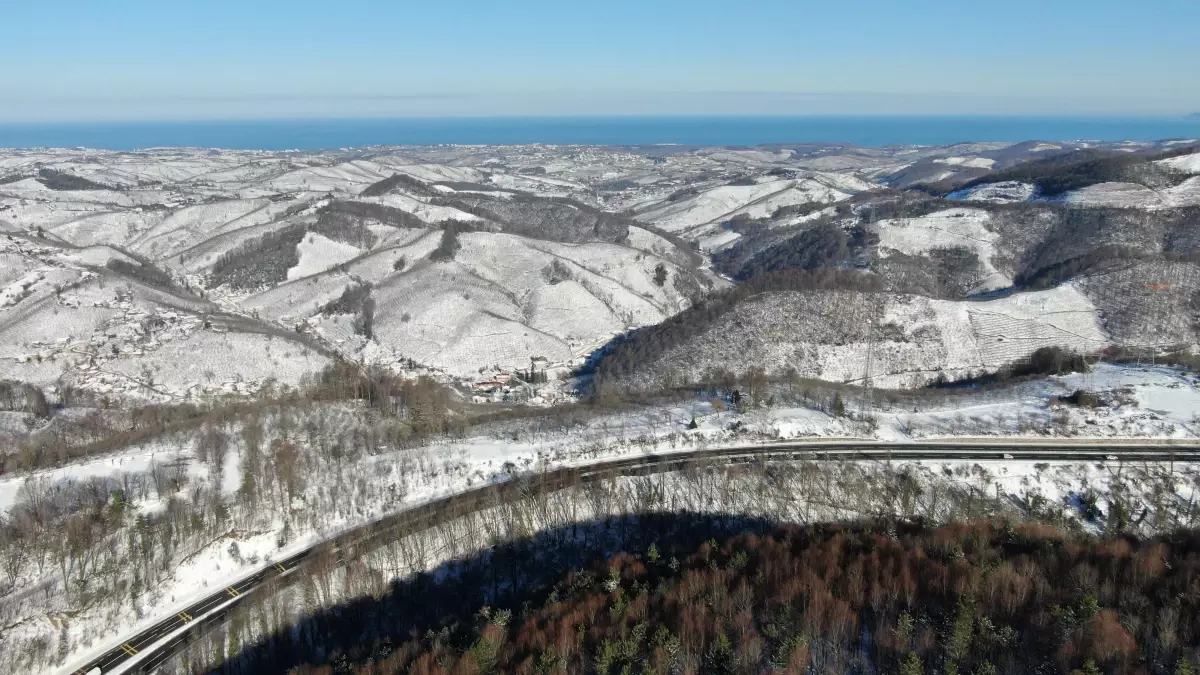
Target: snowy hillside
687, 214
1005, 192
473, 259
210, 360
274, 255
898, 340
88, 318
964, 228
502, 299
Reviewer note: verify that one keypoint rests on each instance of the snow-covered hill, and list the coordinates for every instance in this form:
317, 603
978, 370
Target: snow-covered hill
961, 228
473, 258
1134, 195
896, 340
94, 320
757, 201
261, 265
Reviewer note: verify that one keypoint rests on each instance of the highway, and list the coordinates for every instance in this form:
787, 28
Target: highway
142, 653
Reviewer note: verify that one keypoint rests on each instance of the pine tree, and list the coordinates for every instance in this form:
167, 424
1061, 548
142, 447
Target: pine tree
912, 665
838, 406
959, 645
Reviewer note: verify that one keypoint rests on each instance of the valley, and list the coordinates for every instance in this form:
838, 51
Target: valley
213, 360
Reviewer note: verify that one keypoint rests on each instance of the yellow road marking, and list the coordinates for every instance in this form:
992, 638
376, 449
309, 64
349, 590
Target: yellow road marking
281, 567
232, 592
129, 649
185, 616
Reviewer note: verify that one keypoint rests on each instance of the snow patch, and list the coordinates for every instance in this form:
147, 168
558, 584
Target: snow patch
319, 253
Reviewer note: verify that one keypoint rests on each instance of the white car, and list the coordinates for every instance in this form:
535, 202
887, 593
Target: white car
1007, 456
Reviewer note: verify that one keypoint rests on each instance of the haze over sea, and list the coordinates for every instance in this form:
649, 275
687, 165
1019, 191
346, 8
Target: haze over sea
313, 134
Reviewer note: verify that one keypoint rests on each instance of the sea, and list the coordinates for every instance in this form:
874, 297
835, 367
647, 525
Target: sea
318, 134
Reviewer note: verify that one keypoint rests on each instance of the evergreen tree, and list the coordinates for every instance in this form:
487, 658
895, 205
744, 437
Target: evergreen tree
912, 665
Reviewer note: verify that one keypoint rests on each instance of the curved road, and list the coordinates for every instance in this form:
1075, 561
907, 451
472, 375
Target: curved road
146, 650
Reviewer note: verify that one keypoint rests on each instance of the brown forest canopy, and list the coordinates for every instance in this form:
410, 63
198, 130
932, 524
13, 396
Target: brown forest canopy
972, 598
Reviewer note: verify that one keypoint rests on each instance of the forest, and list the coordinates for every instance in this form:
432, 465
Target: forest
548, 218
876, 597
58, 180
825, 245
627, 355
259, 261
1064, 172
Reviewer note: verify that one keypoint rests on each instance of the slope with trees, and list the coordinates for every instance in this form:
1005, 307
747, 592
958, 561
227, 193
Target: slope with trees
881, 597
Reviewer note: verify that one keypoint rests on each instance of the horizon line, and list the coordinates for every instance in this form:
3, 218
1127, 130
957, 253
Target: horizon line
606, 115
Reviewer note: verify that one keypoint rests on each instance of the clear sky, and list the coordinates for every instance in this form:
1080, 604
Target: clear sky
137, 59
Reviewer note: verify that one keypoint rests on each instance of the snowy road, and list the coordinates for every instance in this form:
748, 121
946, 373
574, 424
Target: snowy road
148, 649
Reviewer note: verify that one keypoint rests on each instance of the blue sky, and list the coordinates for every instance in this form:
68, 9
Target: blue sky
134, 59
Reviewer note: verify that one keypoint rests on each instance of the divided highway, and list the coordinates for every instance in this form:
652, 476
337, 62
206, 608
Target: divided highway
146, 650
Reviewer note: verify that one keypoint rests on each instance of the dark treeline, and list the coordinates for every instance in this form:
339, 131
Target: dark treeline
762, 241
448, 245
144, 271
1079, 239
348, 222
23, 397
826, 245
980, 598
1043, 244
823, 245
398, 180
1102, 259
951, 273
260, 261
356, 300
265, 259
59, 180
550, 218
1042, 362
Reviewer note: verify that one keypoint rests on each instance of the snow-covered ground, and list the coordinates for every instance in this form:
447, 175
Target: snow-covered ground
1142, 402
1134, 195
1186, 163
319, 253
972, 162
94, 264
966, 228
1004, 192
829, 336
759, 200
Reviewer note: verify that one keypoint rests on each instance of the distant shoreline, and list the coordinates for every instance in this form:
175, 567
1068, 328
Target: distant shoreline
699, 130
